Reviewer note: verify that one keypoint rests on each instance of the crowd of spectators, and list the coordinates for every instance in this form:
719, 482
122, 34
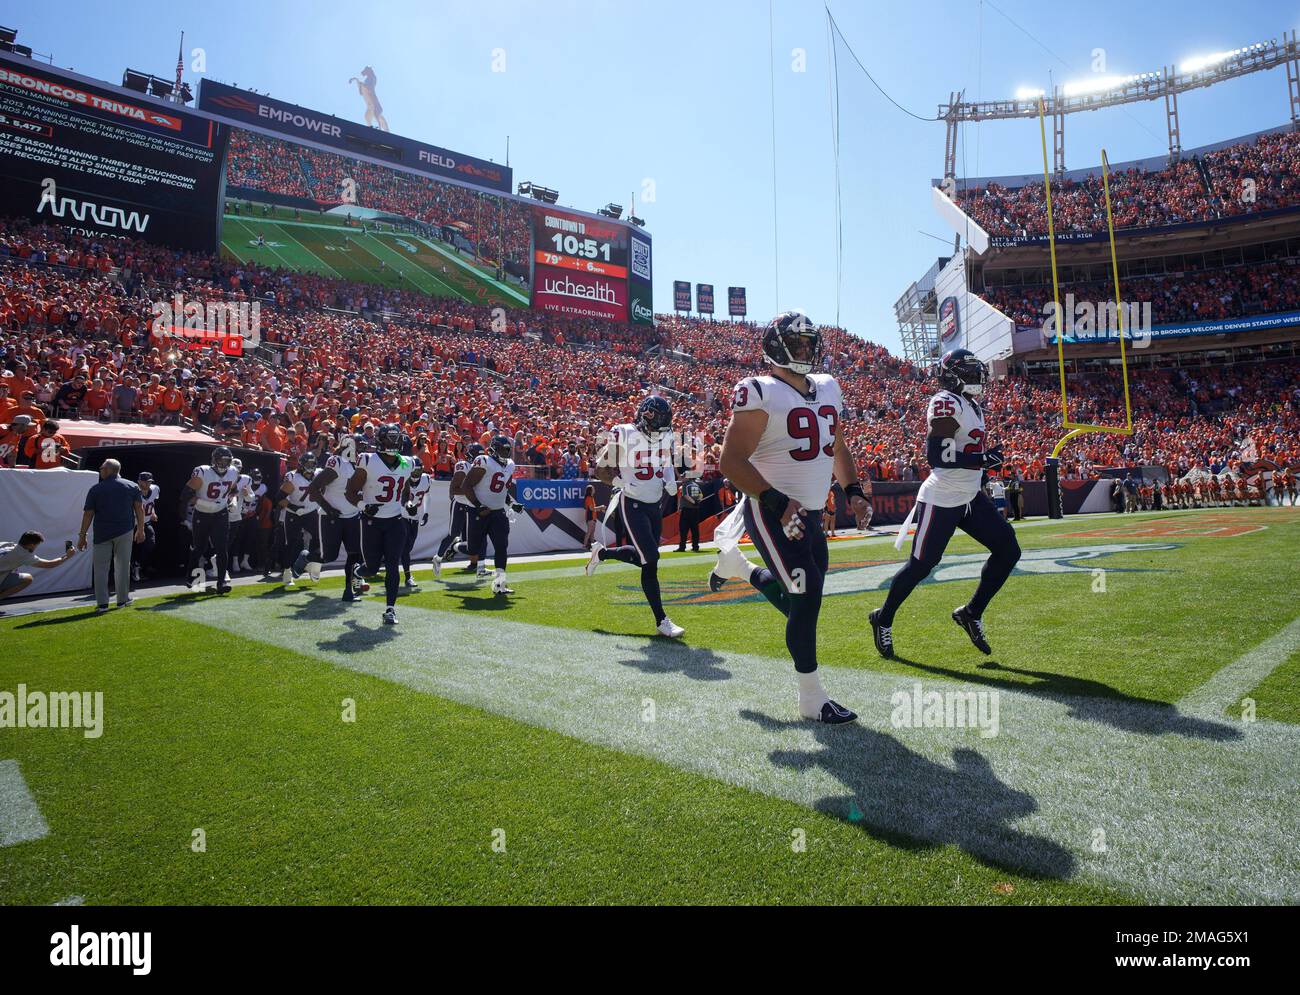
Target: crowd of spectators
77, 341
1244, 178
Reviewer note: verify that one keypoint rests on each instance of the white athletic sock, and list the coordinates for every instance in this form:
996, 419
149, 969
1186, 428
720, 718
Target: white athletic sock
811, 692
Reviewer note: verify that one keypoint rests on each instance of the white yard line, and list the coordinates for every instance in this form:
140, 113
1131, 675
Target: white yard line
1227, 688
1188, 809
20, 817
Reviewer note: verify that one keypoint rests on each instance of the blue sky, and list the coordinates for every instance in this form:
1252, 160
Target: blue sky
602, 98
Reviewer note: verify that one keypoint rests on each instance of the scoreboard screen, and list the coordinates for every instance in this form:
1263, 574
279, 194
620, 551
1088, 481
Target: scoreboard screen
105, 162
589, 267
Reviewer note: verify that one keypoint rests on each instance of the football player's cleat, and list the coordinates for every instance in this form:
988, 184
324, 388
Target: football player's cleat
667, 627
481, 571
499, 585
286, 578
974, 628
832, 713
222, 457
653, 415
224, 588
313, 570
390, 616
410, 585
882, 634
198, 586
593, 561
299, 565
962, 372
792, 342
731, 565
437, 568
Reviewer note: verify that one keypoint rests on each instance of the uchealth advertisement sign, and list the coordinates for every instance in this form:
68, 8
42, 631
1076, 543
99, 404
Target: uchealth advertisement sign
583, 295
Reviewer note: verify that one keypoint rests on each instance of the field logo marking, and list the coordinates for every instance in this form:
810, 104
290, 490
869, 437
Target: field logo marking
854, 578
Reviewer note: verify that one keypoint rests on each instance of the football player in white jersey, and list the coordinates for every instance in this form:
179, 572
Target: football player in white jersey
416, 513
142, 552
639, 457
951, 498
456, 541
379, 485
781, 450
210, 487
301, 535
490, 485
338, 517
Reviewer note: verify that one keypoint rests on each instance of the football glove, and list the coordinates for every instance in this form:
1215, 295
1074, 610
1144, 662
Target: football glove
516, 507
993, 457
370, 510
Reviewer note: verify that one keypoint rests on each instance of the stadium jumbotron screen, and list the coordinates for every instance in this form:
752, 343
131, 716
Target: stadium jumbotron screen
106, 162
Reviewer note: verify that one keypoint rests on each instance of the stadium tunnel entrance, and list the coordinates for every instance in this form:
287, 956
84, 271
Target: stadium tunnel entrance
172, 465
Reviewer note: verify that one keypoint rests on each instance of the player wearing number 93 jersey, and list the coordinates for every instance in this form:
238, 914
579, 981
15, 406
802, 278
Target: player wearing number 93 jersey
782, 449
951, 498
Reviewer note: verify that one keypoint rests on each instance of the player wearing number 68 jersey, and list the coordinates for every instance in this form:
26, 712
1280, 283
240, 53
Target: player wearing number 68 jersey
488, 486
951, 498
782, 449
379, 485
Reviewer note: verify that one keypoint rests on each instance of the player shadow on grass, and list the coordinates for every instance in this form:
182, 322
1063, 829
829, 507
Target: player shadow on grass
490, 603
357, 638
911, 802
1093, 701
668, 656
316, 607
59, 620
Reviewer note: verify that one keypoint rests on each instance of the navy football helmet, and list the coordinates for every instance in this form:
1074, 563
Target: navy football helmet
654, 415
792, 342
962, 372
501, 448
222, 457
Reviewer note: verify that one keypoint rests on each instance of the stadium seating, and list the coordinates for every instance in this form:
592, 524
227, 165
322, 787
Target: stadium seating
443, 370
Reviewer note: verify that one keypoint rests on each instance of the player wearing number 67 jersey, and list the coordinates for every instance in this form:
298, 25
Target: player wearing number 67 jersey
489, 485
951, 498
211, 487
782, 449
639, 457
379, 485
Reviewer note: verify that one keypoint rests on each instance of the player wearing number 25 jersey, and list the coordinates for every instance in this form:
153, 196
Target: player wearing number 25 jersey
951, 498
782, 449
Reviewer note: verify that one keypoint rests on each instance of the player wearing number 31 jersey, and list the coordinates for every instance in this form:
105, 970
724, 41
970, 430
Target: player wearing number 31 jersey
379, 486
951, 498
781, 449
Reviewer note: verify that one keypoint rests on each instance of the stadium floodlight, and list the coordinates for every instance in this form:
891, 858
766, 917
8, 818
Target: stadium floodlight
1029, 93
7, 35
1082, 86
546, 195
614, 211
160, 87
133, 80
632, 219
1199, 62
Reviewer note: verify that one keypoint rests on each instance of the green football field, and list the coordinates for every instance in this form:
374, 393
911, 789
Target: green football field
325, 244
1133, 738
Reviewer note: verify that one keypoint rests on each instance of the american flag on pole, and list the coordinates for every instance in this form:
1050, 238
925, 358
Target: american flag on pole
180, 63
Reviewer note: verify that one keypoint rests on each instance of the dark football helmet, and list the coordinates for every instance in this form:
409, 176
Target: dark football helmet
654, 415
307, 464
792, 342
474, 451
417, 465
962, 372
389, 440
222, 457
501, 448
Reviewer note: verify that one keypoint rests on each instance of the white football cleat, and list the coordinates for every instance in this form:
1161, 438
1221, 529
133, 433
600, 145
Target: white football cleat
313, 571
481, 573
390, 616
666, 627
731, 565
593, 561
437, 568
286, 578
